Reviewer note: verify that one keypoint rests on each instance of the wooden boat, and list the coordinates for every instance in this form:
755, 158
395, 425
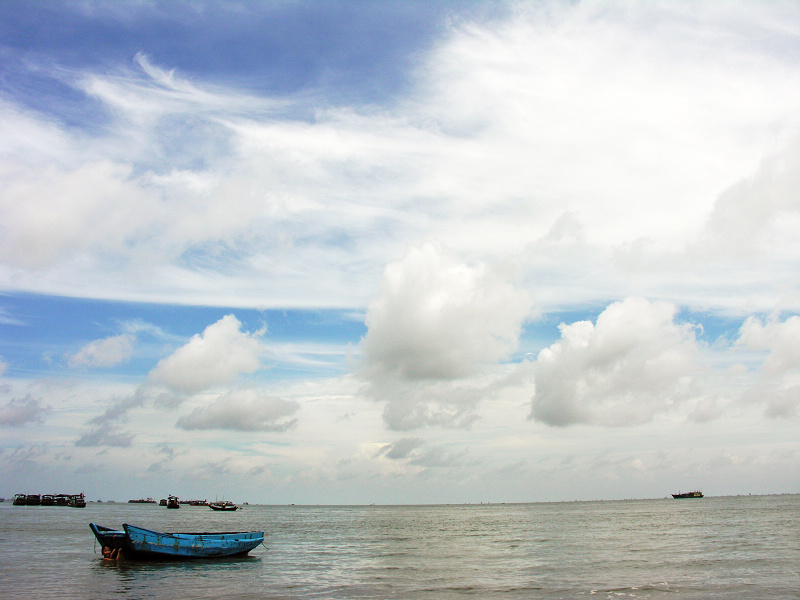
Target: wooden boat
222, 505
681, 495
33, 500
172, 502
20, 500
138, 543
48, 500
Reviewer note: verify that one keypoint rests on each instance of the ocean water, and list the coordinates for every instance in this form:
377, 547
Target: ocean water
731, 547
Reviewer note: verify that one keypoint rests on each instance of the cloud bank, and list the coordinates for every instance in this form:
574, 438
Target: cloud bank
243, 410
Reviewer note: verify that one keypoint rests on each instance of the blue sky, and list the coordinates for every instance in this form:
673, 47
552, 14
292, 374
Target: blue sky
399, 252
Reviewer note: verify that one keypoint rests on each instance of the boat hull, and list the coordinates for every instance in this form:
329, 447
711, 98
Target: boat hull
139, 543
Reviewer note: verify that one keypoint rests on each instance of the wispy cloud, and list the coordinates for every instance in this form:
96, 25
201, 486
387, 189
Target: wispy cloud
107, 352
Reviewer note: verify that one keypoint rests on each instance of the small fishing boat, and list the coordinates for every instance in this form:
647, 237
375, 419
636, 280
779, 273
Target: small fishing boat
222, 505
138, 543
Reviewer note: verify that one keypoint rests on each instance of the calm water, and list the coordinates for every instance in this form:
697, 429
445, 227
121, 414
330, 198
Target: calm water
742, 547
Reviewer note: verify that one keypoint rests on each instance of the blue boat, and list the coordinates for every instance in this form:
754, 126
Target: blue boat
138, 543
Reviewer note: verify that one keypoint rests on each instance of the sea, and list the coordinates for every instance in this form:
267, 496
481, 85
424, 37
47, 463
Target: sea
714, 547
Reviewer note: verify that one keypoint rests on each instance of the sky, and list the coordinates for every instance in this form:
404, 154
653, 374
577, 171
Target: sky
354, 252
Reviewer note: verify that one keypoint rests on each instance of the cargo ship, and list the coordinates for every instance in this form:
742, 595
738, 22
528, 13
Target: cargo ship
695, 494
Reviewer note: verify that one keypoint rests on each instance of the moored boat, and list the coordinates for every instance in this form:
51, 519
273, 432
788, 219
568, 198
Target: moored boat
77, 501
222, 505
19, 500
33, 500
142, 501
172, 502
48, 500
682, 495
138, 543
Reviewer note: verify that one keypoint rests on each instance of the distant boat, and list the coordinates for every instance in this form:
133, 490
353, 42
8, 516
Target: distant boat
142, 501
172, 502
695, 494
33, 500
222, 505
162, 502
136, 543
77, 501
48, 500
19, 500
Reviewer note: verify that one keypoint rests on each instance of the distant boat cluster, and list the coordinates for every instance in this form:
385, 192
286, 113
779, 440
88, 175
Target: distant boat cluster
73, 500
175, 502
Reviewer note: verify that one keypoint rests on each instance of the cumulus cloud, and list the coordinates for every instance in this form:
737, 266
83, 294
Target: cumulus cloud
436, 321
243, 410
216, 357
632, 364
17, 412
438, 318
106, 352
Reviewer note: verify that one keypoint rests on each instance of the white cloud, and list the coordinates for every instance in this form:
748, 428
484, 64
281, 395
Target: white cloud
778, 386
437, 318
216, 357
436, 323
633, 364
106, 352
243, 410
781, 339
